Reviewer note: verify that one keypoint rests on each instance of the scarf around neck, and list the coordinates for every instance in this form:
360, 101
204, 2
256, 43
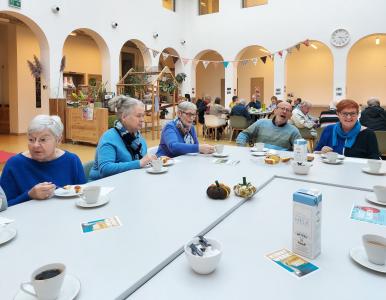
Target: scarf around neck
349, 137
131, 141
185, 131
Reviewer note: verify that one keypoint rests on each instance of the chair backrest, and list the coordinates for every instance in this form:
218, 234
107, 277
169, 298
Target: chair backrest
213, 121
319, 131
87, 168
238, 122
381, 138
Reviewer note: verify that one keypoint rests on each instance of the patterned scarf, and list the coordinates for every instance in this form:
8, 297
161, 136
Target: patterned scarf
349, 137
131, 141
185, 131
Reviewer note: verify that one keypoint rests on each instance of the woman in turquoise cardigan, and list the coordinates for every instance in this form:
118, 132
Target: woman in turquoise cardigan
122, 148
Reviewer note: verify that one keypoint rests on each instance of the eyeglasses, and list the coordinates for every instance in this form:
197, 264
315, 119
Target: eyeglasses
351, 114
190, 115
285, 109
40, 141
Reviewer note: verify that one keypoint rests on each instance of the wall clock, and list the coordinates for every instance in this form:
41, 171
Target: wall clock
340, 38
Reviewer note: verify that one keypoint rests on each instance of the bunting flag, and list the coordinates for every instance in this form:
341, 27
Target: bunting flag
298, 47
263, 59
165, 55
289, 50
175, 59
280, 53
254, 60
205, 63
306, 42
235, 64
226, 63
244, 62
185, 61
155, 53
272, 57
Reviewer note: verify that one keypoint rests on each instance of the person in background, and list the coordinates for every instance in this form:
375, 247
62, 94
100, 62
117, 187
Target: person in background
275, 133
240, 110
216, 108
297, 102
35, 173
273, 104
303, 121
234, 101
187, 97
122, 148
3, 200
328, 117
348, 137
254, 103
179, 136
373, 116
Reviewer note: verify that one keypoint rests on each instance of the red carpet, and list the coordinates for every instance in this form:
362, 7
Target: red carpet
4, 156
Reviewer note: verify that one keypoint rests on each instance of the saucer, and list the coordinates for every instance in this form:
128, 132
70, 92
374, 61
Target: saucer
7, 233
259, 153
358, 254
220, 154
61, 192
372, 198
253, 149
340, 156
102, 201
151, 171
70, 289
337, 162
367, 170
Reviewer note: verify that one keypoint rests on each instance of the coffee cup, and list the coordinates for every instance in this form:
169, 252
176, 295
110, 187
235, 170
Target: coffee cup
375, 247
332, 156
46, 282
380, 192
91, 194
259, 146
156, 165
219, 148
374, 165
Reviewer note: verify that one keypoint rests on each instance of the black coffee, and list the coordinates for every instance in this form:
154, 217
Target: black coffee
48, 274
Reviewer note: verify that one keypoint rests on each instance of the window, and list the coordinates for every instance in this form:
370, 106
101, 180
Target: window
250, 3
208, 6
169, 4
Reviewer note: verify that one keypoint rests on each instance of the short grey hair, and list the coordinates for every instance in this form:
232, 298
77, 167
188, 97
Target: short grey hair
373, 102
123, 105
186, 105
305, 104
242, 101
42, 122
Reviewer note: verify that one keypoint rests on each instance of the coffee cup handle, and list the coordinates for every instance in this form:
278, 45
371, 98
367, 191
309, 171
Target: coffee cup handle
22, 286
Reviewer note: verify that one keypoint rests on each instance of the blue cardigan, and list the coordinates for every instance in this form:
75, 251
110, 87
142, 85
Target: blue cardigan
172, 142
112, 156
21, 173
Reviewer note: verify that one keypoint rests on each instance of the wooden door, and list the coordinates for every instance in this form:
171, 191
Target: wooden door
222, 91
257, 82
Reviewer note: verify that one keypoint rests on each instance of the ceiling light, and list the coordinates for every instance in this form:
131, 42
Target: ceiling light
4, 20
263, 50
314, 46
377, 41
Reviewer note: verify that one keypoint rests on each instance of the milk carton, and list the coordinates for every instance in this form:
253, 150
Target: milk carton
300, 150
307, 221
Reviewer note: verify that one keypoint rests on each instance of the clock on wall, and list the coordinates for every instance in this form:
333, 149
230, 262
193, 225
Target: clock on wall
340, 38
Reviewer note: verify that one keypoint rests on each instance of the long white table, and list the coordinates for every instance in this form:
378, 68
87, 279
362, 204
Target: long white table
159, 214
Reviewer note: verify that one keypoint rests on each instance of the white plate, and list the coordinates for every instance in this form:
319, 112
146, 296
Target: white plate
61, 192
220, 154
102, 201
151, 171
70, 289
259, 153
337, 162
372, 198
340, 156
253, 149
358, 254
7, 233
367, 170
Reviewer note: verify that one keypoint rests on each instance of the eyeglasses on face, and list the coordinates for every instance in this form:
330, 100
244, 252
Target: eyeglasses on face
285, 109
41, 141
349, 114
190, 115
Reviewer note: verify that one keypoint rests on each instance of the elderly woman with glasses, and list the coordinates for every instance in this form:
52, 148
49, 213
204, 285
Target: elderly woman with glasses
347, 136
35, 173
179, 136
122, 148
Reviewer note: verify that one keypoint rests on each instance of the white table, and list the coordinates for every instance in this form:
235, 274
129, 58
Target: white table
159, 214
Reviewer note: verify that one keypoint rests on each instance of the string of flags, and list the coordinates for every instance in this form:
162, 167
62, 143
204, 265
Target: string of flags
235, 63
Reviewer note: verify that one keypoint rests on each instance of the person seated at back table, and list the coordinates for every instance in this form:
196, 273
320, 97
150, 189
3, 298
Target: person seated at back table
122, 148
234, 101
348, 137
216, 108
240, 110
303, 121
273, 104
254, 103
374, 116
275, 133
34, 174
328, 117
179, 136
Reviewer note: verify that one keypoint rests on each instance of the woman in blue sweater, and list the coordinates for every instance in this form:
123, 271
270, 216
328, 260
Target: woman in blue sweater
122, 148
179, 136
34, 174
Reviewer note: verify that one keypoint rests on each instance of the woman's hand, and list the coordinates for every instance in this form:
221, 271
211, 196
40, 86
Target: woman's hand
147, 159
326, 149
206, 149
42, 191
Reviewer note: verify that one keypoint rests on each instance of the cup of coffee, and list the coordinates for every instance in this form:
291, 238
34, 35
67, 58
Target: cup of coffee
380, 192
332, 156
259, 146
91, 194
375, 247
156, 165
374, 165
219, 148
46, 282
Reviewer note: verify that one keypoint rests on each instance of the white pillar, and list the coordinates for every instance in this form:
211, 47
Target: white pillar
279, 77
230, 83
112, 71
55, 84
340, 73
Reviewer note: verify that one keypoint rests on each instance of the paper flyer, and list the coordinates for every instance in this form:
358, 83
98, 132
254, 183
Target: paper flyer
101, 224
292, 262
226, 161
369, 214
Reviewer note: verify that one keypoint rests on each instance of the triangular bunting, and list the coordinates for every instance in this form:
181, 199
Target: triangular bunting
306, 42
205, 63
254, 60
175, 59
165, 55
298, 47
235, 64
185, 61
244, 62
215, 64
155, 53
226, 63
263, 59
289, 50
280, 53
272, 57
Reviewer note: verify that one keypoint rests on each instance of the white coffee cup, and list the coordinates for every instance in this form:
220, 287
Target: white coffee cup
374, 165
49, 288
332, 156
380, 192
91, 194
219, 148
156, 165
259, 146
375, 247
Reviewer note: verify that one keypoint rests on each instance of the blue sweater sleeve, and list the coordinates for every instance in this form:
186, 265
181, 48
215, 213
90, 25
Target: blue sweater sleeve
323, 141
80, 176
175, 146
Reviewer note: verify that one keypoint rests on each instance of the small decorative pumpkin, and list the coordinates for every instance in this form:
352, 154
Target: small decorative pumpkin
244, 190
218, 191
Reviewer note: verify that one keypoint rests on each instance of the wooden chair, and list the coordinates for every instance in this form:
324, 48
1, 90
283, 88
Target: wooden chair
381, 138
213, 122
237, 123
